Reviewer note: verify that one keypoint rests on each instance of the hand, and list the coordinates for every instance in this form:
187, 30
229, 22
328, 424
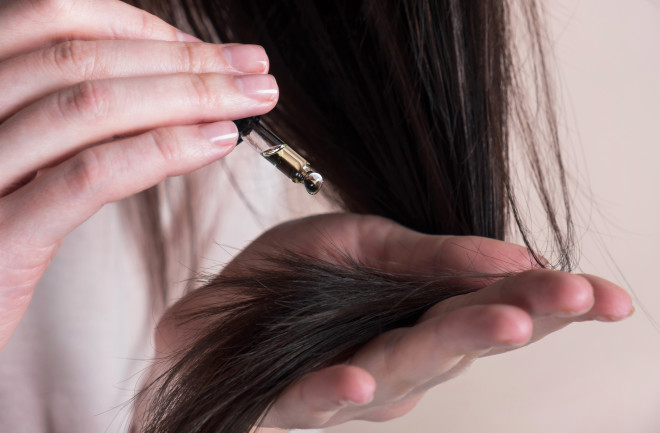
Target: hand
101, 100
387, 377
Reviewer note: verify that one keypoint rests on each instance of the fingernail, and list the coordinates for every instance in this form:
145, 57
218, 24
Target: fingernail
345, 403
262, 87
616, 317
246, 58
607, 318
358, 400
567, 314
221, 134
360, 403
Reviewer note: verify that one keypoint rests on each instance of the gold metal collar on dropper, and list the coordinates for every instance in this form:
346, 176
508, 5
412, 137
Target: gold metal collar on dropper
278, 153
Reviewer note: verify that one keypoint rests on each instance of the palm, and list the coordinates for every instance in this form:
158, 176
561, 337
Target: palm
389, 375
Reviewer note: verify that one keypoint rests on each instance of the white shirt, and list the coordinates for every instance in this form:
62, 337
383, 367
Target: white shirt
76, 358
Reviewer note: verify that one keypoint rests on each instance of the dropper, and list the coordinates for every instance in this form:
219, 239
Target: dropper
278, 153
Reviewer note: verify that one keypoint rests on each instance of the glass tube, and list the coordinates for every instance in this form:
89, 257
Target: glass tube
282, 156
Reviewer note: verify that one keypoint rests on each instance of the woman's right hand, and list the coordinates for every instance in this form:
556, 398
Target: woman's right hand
101, 100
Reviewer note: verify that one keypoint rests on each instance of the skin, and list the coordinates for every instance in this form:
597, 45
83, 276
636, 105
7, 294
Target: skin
102, 100
387, 377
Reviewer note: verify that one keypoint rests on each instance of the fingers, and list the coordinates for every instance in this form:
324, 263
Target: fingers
45, 210
317, 397
611, 302
399, 249
26, 25
544, 293
476, 254
45, 71
386, 245
67, 121
404, 363
552, 299
436, 350
539, 292
503, 316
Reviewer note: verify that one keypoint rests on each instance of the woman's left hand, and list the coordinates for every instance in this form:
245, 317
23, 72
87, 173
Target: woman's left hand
387, 377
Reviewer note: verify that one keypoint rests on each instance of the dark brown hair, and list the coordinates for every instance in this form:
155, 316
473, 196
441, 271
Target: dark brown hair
409, 108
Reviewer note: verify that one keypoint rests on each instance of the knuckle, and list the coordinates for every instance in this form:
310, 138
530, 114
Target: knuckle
149, 26
166, 141
85, 174
146, 24
88, 99
77, 57
189, 58
201, 90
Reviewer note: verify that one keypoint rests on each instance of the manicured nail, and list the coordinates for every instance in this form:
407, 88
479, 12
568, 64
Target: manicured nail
615, 317
345, 403
246, 58
607, 318
262, 87
357, 400
221, 134
359, 403
567, 314
185, 37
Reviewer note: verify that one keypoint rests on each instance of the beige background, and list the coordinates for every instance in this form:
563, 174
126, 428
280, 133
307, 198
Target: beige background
589, 378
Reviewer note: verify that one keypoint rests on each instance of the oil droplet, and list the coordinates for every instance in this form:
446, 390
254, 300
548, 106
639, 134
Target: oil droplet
313, 182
